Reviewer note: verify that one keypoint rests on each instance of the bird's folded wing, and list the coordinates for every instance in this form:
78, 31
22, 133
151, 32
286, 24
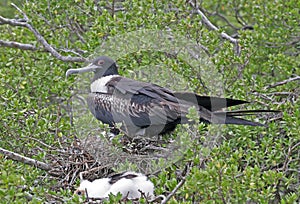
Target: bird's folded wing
130, 87
149, 103
211, 103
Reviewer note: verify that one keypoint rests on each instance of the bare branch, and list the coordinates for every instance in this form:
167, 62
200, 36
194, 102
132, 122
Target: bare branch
283, 82
21, 46
238, 17
216, 13
293, 42
13, 22
188, 169
24, 14
225, 19
224, 35
287, 93
17, 157
25, 23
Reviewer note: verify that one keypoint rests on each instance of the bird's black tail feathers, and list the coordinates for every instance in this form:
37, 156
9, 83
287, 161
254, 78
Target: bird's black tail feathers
215, 104
229, 117
208, 102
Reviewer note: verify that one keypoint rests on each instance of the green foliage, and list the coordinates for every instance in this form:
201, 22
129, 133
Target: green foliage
234, 165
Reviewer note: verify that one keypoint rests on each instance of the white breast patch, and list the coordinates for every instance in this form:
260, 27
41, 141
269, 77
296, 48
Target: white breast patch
99, 84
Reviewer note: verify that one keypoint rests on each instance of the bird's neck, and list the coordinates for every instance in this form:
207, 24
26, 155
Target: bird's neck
101, 77
99, 85
112, 70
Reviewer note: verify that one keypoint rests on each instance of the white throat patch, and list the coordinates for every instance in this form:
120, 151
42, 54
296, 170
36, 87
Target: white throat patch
99, 84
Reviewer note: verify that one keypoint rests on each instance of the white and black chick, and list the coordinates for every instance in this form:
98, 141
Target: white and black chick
131, 185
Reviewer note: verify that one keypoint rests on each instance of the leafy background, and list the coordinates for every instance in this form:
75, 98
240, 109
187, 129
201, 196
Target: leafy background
249, 165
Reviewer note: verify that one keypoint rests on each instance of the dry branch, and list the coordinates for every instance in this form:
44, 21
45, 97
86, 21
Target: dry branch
283, 82
25, 23
188, 169
210, 25
26, 160
21, 46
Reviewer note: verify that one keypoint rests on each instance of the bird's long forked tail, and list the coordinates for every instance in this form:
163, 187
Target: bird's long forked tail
232, 117
215, 104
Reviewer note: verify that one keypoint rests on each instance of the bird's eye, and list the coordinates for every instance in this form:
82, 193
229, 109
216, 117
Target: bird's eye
78, 192
100, 62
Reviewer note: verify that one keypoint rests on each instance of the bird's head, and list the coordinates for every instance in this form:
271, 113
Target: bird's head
84, 187
101, 66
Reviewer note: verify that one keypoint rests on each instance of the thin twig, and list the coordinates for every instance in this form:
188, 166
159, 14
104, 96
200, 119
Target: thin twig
224, 35
25, 23
238, 17
46, 145
281, 93
188, 169
283, 82
216, 13
23, 13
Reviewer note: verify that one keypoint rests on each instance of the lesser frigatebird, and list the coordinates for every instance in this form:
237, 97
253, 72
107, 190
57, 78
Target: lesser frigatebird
146, 109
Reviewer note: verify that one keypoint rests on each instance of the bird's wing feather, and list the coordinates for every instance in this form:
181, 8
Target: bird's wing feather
209, 102
116, 177
149, 103
129, 86
101, 109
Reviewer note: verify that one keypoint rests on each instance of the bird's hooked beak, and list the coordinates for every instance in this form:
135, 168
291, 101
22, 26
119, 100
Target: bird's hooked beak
89, 68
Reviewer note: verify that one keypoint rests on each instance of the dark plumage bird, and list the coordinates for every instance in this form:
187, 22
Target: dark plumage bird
146, 109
